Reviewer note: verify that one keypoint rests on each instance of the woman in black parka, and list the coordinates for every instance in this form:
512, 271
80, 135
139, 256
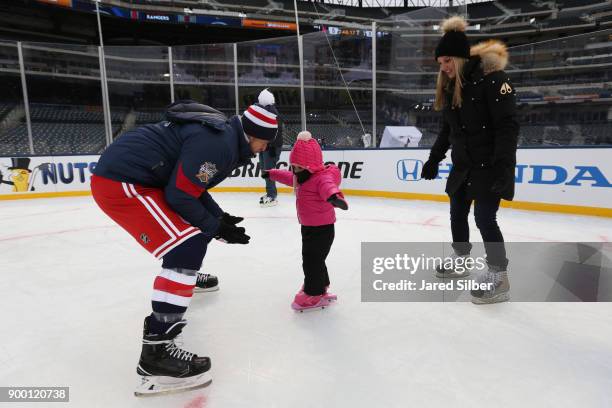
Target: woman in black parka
478, 104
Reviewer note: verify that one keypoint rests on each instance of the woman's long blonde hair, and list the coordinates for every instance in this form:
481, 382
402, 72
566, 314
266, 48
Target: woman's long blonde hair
444, 83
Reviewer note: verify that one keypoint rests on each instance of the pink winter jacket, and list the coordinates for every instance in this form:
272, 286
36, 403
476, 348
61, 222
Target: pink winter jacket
311, 196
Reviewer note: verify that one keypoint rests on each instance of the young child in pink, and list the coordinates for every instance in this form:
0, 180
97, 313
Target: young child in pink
317, 193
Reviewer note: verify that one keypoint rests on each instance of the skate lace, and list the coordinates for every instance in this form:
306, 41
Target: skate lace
492, 277
175, 351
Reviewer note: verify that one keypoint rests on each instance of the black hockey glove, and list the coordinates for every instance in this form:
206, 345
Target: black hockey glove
430, 170
338, 202
231, 219
231, 234
265, 174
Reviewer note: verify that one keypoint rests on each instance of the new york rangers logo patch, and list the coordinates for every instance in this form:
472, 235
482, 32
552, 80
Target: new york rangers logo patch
207, 171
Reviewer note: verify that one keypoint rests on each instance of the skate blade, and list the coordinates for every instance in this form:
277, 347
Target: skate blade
200, 290
300, 309
332, 298
451, 276
502, 297
272, 204
151, 387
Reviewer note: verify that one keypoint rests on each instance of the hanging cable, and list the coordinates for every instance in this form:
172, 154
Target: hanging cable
335, 61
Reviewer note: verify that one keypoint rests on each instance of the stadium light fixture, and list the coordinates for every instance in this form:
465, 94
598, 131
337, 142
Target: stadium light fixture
210, 12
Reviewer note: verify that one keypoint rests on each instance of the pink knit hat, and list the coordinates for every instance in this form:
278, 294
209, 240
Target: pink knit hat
307, 153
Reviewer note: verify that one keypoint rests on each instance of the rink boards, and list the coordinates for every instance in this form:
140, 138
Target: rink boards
569, 180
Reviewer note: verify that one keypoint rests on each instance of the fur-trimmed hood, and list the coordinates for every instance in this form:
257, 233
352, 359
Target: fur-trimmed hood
493, 55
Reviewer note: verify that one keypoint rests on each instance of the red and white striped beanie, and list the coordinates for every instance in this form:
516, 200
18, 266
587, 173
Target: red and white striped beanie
259, 120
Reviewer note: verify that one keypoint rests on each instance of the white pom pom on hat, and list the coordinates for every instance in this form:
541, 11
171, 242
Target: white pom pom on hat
307, 153
304, 135
266, 98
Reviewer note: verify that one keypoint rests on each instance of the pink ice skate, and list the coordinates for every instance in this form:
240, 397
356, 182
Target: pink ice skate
327, 295
302, 302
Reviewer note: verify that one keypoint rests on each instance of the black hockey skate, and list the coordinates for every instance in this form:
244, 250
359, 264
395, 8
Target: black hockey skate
206, 283
267, 201
165, 368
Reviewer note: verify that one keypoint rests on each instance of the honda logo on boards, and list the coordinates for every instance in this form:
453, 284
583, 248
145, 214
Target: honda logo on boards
409, 169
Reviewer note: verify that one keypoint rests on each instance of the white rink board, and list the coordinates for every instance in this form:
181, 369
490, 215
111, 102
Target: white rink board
578, 176
557, 176
49, 174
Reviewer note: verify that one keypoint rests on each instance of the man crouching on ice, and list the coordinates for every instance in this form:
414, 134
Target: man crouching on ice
153, 182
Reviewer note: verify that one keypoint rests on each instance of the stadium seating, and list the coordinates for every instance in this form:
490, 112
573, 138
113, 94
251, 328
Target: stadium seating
143, 117
56, 139
565, 4
525, 6
484, 10
72, 114
510, 28
564, 22
5, 108
61, 129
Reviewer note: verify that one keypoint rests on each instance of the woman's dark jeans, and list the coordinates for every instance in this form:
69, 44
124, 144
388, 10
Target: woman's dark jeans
485, 214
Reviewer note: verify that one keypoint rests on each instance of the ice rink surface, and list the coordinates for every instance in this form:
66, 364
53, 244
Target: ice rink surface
75, 289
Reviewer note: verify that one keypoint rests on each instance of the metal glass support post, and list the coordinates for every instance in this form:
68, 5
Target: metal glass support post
26, 102
302, 97
105, 104
171, 73
104, 83
373, 84
236, 78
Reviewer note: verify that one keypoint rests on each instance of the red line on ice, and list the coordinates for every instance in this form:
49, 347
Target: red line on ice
13, 217
197, 402
427, 222
44, 234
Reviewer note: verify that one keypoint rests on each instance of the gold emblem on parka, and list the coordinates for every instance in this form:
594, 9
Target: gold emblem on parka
505, 89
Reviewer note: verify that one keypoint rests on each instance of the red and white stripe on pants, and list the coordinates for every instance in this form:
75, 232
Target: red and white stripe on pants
173, 287
144, 213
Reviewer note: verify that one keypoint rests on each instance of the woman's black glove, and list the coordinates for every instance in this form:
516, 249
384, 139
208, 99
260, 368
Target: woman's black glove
265, 174
231, 234
430, 170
